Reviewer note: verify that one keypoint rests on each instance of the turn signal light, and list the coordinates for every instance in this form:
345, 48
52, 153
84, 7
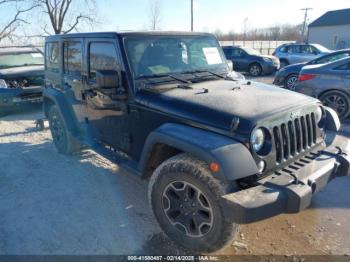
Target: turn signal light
305, 77
214, 167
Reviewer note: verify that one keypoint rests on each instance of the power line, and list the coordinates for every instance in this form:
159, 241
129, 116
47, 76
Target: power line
306, 10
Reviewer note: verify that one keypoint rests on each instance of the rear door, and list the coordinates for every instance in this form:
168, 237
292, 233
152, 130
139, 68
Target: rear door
73, 76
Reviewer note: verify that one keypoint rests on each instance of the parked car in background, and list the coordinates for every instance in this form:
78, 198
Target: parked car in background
293, 53
328, 82
288, 76
249, 60
21, 78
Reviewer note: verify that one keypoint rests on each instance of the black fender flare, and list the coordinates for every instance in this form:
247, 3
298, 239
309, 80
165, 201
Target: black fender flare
52, 96
234, 159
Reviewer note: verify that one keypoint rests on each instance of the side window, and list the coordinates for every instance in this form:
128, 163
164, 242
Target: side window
227, 51
343, 67
72, 58
52, 57
294, 49
284, 49
102, 56
237, 52
307, 49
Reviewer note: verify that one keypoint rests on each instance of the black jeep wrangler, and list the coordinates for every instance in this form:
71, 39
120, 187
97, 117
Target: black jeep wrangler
219, 151
21, 78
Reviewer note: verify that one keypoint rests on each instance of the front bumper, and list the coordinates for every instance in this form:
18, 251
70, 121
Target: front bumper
19, 99
291, 189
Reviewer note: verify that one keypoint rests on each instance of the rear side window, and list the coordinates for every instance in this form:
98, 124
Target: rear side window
284, 49
102, 56
72, 58
52, 57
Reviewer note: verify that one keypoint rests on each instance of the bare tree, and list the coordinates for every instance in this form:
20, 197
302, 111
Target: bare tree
66, 15
8, 28
155, 12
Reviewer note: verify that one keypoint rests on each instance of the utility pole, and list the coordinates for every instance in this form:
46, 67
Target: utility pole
306, 10
191, 15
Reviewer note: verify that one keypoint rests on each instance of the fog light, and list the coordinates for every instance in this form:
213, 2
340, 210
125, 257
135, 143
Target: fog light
261, 166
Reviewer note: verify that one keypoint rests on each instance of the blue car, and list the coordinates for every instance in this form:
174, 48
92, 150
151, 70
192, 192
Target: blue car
288, 76
249, 60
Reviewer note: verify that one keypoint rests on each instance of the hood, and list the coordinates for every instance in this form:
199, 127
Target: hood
217, 103
23, 71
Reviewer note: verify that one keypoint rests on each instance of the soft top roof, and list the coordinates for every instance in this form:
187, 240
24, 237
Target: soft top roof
126, 33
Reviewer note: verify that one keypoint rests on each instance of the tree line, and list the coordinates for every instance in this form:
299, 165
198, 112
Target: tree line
274, 33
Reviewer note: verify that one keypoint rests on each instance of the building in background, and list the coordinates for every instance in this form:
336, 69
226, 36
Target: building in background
331, 30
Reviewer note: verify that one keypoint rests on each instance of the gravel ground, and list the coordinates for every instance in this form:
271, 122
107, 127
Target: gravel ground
55, 204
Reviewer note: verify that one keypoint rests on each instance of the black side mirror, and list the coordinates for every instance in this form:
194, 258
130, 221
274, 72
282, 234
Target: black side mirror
107, 79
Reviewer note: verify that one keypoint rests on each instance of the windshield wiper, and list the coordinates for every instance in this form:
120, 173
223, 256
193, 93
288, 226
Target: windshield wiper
204, 71
164, 75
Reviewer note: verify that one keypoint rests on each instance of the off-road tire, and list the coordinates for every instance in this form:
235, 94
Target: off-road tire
63, 141
341, 102
186, 168
255, 69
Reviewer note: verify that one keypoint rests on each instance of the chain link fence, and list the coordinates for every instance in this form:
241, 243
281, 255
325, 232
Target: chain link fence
264, 47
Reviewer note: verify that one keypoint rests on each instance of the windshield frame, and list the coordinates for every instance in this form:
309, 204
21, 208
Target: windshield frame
3, 66
148, 37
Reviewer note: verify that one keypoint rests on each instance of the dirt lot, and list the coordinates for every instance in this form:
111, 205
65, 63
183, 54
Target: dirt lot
55, 204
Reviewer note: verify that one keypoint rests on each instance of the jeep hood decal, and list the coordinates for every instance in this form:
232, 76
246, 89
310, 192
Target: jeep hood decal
216, 103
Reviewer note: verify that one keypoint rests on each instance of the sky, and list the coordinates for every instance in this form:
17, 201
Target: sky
211, 15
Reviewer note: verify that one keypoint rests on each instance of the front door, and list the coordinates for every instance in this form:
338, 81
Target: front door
107, 115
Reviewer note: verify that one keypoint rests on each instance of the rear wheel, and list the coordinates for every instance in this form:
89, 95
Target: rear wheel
185, 199
290, 82
338, 101
62, 140
255, 69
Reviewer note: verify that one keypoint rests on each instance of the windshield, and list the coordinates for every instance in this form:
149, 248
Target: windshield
159, 55
250, 51
24, 59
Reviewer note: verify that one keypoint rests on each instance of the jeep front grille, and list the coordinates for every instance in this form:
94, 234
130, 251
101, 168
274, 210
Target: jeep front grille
294, 137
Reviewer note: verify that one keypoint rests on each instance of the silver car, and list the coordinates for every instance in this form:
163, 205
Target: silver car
328, 82
289, 54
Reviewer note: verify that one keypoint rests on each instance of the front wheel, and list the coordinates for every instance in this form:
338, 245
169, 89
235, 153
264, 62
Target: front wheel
338, 101
185, 199
255, 70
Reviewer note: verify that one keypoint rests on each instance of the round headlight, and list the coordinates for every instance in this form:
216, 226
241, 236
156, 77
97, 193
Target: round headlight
318, 115
257, 139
